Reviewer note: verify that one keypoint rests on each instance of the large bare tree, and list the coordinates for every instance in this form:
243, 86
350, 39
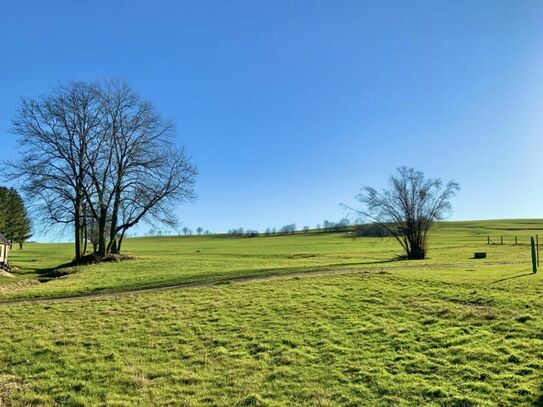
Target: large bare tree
408, 208
136, 170
54, 132
97, 154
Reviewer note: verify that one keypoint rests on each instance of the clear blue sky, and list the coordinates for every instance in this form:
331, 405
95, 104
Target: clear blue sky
287, 107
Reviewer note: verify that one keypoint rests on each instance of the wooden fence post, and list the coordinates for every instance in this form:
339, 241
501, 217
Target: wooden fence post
537, 248
534, 259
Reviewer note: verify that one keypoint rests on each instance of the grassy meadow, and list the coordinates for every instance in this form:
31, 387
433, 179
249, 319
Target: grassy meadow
318, 320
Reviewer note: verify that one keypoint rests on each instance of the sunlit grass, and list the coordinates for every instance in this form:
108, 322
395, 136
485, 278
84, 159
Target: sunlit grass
172, 260
449, 330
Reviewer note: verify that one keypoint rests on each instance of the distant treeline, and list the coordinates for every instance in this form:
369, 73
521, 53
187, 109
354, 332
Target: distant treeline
344, 225
185, 231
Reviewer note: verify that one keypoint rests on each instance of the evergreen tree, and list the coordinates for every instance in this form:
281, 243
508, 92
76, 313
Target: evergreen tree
14, 219
3, 210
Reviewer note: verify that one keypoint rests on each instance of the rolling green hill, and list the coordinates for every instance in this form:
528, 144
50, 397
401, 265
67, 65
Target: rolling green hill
311, 319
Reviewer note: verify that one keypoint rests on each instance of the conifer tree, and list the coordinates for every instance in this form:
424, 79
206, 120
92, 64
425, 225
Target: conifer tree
14, 220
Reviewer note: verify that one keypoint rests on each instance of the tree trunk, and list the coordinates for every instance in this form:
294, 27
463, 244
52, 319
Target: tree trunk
77, 229
417, 251
120, 241
102, 248
84, 237
113, 244
82, 240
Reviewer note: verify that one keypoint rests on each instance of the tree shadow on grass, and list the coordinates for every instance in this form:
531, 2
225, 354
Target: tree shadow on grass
45, 272
199, 279
320, 267
513, 277
539, 401
50, 273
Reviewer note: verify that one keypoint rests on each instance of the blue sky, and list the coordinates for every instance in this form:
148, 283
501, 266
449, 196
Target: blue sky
287, 107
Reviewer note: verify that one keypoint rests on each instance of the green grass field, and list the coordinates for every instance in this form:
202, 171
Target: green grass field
358, 328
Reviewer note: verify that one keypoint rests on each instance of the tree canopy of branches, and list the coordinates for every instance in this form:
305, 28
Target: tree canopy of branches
408, 208
333, 227
288, 229
14, 220
240, 232
97, 154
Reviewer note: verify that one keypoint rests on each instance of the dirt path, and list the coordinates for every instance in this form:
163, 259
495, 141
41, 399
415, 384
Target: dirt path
209, 283
17, 285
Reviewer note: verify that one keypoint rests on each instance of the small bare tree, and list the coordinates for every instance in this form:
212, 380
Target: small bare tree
408, 208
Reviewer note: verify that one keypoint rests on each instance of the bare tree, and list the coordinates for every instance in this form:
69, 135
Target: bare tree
408, 208
288, 229
54, 133
343, 222
199, 230
136, 170
99, 149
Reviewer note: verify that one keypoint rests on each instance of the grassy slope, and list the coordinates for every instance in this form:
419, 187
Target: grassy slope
171, 260
445, 331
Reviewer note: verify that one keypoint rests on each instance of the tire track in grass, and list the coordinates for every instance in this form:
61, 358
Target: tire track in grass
225, 280
193, 284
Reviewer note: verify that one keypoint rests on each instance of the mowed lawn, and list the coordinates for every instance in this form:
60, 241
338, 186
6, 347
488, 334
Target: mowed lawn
449, 330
